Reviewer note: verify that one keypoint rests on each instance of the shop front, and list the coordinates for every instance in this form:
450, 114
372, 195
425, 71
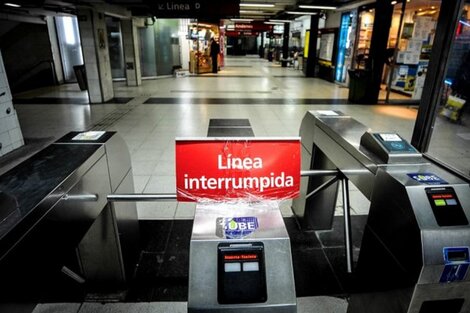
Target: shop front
409, 50
200, 35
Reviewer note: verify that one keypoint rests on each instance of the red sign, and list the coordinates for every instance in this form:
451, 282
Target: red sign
237, 169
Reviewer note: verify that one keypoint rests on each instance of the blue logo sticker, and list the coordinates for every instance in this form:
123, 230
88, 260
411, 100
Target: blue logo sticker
427, 178
236, 227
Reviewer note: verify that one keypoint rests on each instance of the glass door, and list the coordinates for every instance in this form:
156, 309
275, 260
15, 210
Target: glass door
450, 139
115, 47
410, 43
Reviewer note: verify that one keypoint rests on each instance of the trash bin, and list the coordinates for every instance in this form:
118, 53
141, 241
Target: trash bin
80, 73
359, 82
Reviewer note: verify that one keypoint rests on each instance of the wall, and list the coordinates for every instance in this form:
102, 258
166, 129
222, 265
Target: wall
11, 137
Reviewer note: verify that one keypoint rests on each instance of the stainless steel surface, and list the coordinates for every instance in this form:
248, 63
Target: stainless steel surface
202, 293
403, 242
311, 173
347, 225
119, 160
75, 218
435, 292
403, 232
128, 226
141, 197
100, 252
83, 197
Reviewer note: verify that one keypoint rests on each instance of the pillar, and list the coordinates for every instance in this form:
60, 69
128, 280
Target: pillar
378, 46
11, 137
94, 41
131, 52
285, 43
311, 60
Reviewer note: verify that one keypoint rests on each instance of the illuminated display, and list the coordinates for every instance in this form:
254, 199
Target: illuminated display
446, 207
241, 257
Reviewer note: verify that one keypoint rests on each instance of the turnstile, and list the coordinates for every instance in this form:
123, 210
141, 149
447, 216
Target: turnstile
57, 223
414, 255
240, 259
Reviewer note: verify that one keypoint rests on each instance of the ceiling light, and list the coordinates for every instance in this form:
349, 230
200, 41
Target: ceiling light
274, 23
14, 5
260, 5
280, 21
247, 12
394, 2
301, 13
320, 7
241, 19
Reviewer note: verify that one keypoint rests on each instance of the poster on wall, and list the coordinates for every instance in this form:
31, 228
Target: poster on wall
327, 43
407, 32
414, 46
423, 27
411, 58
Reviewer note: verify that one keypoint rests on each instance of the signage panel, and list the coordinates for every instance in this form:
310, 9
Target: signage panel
237, 168
194, 8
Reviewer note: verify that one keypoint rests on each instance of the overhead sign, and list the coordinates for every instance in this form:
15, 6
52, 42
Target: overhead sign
237, 168
194, 8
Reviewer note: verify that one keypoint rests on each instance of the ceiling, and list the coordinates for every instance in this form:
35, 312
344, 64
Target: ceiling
282, 6
41, 8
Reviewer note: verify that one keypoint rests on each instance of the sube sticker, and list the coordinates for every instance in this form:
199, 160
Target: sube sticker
236, 227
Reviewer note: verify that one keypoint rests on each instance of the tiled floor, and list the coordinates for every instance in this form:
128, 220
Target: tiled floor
272, 99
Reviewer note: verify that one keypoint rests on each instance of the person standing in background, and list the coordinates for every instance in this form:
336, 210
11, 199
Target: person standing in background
215, 50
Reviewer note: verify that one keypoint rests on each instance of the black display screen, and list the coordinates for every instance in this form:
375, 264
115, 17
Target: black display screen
446, 207
241, 273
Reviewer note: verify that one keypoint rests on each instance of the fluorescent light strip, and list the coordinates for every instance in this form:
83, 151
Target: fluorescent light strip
320, 7
13, 5
260, 5
247, 12
274, 23
281, 21
242, 19
301, 13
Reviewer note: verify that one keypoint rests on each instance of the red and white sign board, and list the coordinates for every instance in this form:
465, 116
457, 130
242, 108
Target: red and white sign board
237, 168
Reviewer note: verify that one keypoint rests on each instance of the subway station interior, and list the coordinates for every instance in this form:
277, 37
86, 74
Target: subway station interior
234, 156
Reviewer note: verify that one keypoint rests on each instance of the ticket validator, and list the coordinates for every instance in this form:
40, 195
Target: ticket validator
240, 259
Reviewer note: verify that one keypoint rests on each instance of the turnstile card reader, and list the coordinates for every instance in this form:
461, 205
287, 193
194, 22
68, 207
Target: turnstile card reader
390, 147
240, 259
419, 231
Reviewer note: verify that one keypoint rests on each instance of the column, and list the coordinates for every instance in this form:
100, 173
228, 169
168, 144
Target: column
131, 51
311, 60
285, 44
95, 55
11, 137
378, 47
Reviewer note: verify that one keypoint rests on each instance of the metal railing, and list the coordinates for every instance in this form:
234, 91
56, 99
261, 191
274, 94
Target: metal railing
337, 176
